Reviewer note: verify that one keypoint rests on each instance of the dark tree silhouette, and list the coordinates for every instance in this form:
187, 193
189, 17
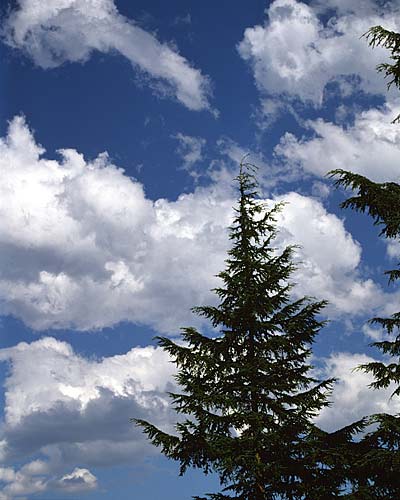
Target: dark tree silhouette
377, 460
248, 398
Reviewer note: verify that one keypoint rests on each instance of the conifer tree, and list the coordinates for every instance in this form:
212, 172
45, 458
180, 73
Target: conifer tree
382, 202
376, 459
247, 397
379, 36
375, 463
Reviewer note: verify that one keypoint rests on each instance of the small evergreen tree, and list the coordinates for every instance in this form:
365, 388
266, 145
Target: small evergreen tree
248, 398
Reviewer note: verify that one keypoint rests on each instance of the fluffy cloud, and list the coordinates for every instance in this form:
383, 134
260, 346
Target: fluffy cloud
72, 413
76, 234
31, 479
296, 54
64, 377
22, 482
75, 413
52, 33
78, 480
322, 271
352, 398
369, 147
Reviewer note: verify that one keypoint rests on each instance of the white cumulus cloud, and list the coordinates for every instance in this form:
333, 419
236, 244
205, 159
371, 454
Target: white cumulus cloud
368, 147
77, 234
32, 478
74, 413
324, 272
52, 33
84, 248
296, 54
79, 480
352, 398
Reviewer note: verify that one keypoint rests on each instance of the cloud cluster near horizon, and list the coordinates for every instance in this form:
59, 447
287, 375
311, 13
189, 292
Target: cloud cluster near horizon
66, 414
55, 32
70, 413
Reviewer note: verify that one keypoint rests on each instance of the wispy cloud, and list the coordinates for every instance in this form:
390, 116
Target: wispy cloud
190, 149
55, 32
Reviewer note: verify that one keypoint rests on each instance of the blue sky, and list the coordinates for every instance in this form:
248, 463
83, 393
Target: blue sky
121, 127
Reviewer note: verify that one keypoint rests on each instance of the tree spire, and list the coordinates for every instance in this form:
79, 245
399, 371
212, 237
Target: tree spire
247, 397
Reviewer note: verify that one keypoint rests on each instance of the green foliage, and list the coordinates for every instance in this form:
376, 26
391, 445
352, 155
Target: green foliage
376, 461
379, 36
380, 201
376, 458
247, 396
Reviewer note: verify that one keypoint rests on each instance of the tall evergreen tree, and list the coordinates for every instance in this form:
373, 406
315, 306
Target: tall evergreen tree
377, 460
382, 202
248, 398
